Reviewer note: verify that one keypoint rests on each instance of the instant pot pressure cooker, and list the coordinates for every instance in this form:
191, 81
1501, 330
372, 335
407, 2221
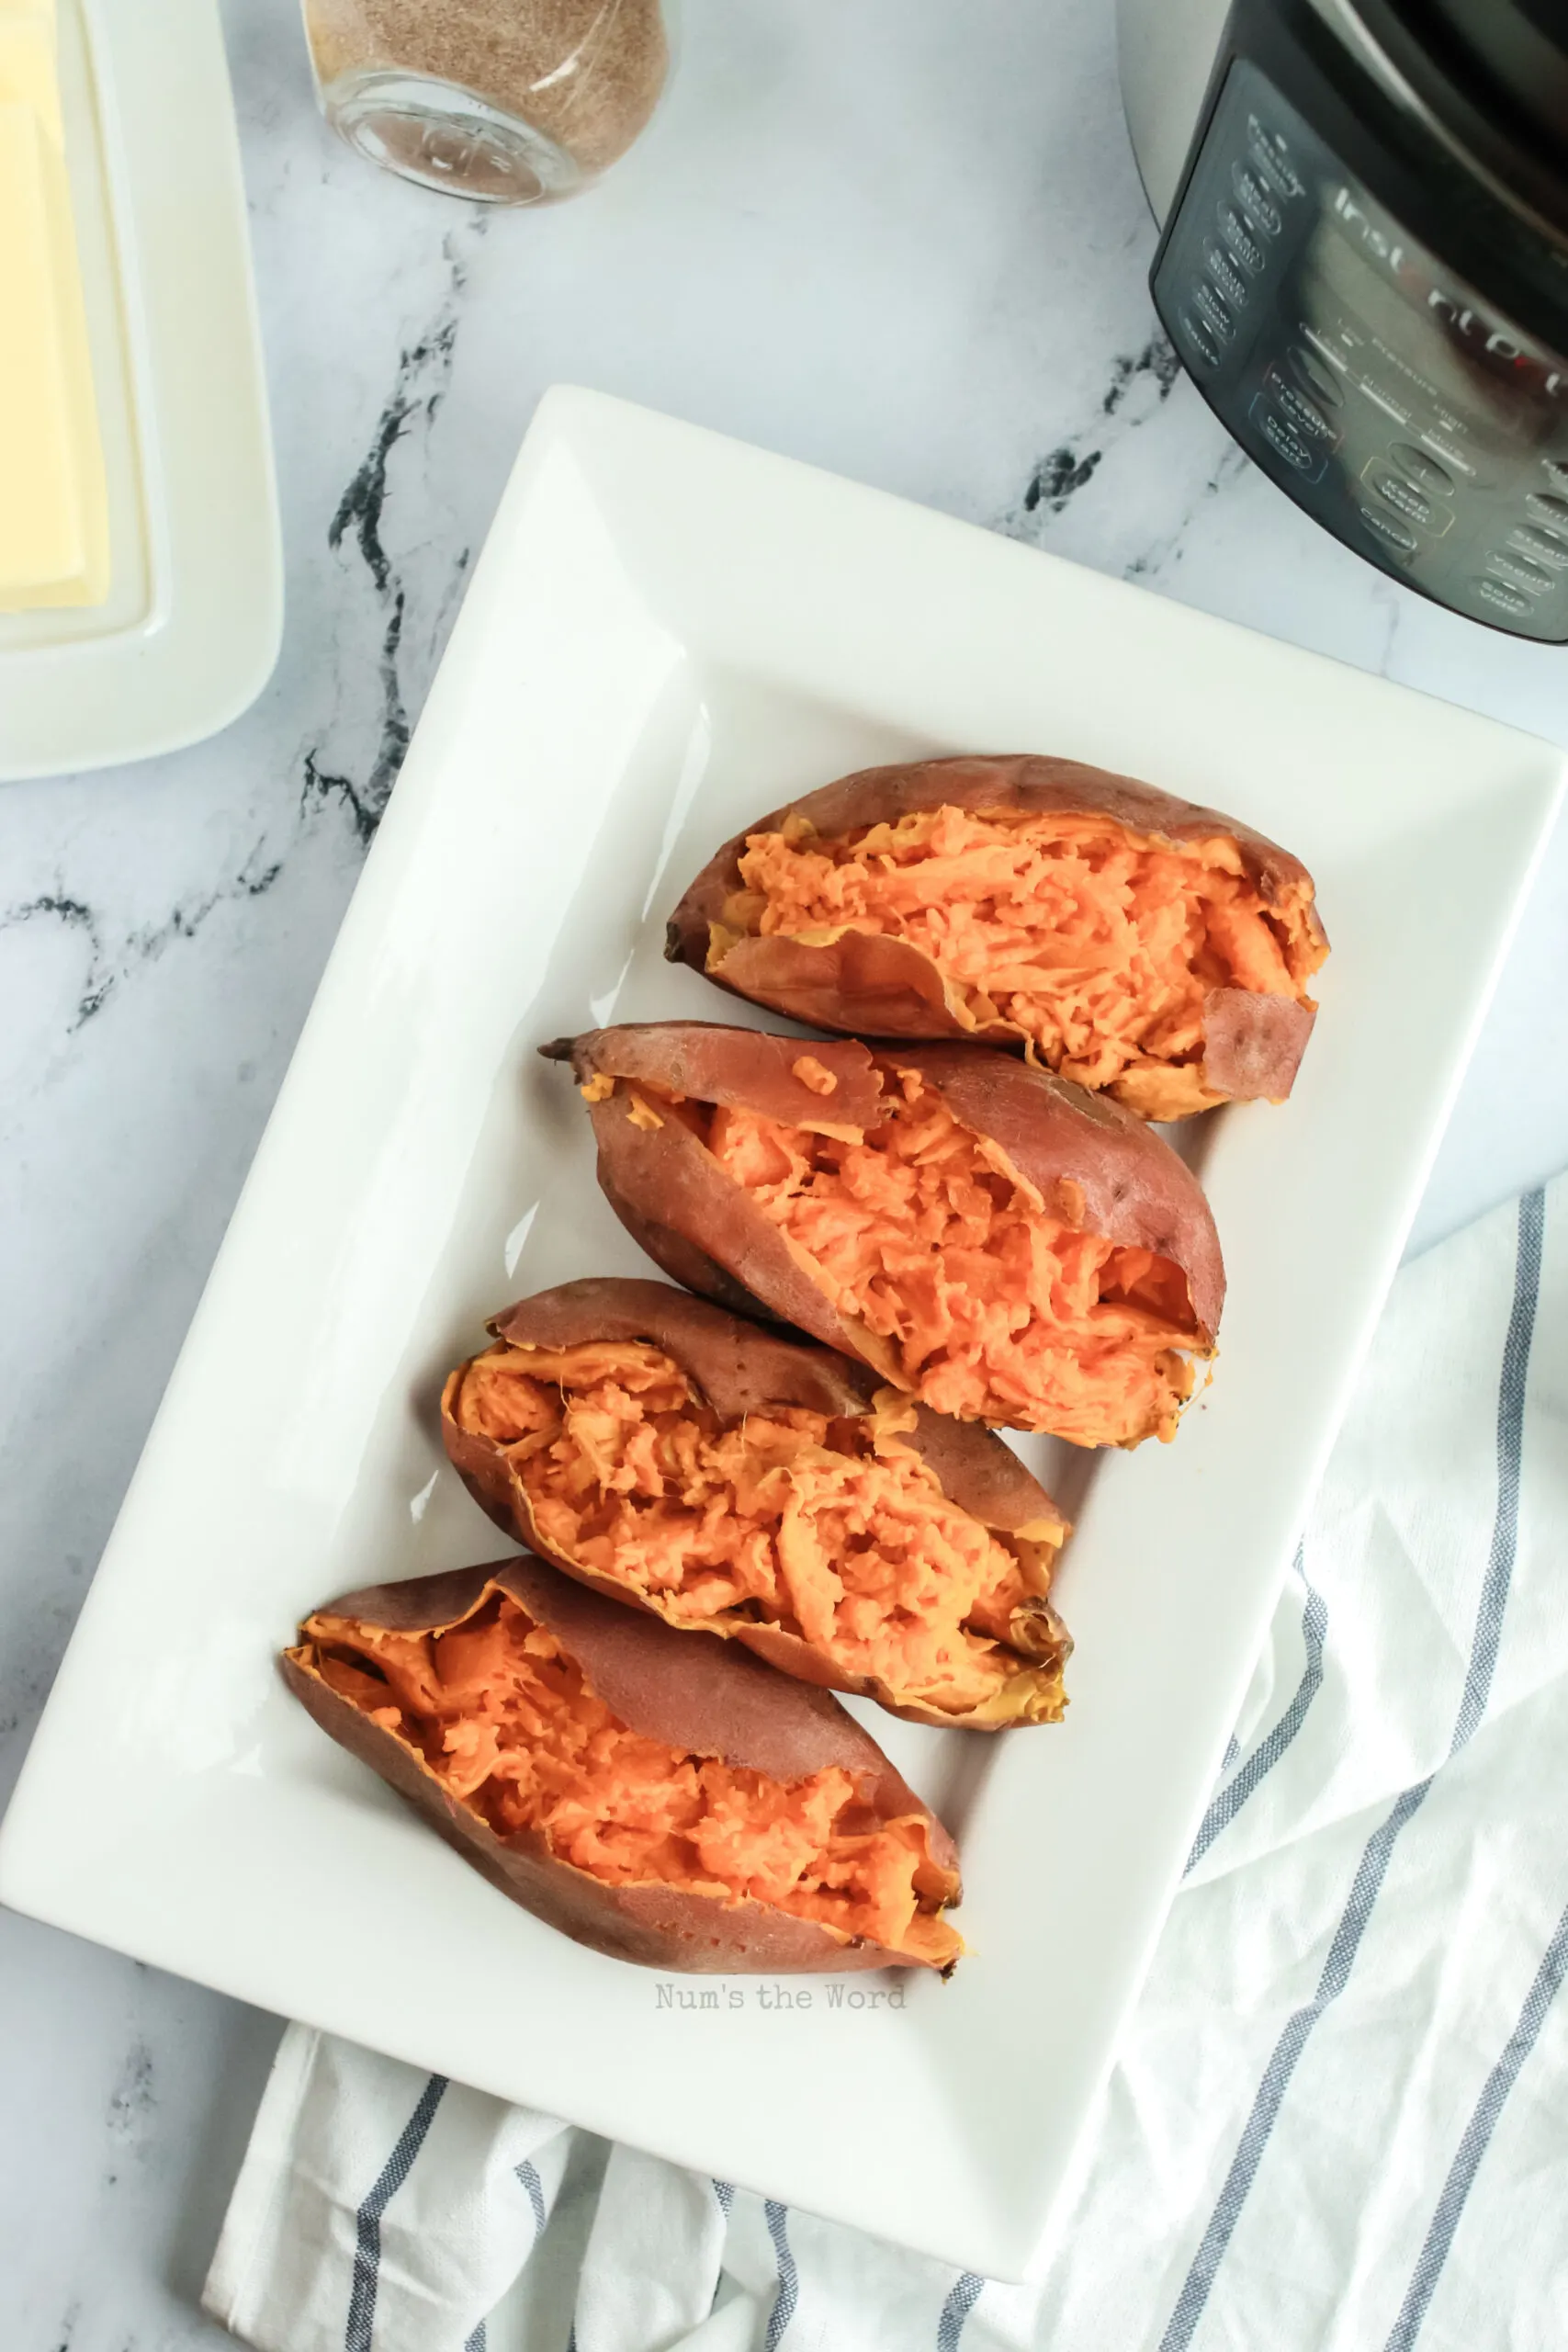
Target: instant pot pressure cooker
1364, 269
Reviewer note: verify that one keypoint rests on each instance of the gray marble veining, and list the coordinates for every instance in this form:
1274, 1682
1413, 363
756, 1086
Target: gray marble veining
897, 239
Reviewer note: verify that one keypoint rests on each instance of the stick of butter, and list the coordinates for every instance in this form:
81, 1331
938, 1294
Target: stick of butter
54, 545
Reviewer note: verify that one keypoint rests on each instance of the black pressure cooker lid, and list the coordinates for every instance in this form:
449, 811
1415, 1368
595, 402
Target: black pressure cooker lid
1520, 48
1493, 77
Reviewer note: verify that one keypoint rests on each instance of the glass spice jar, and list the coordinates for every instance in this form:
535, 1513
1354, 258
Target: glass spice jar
507, 101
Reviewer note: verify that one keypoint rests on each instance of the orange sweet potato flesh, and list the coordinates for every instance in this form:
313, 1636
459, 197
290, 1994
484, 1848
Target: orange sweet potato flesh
739, 1484
996, 1242
1125, 939
666, 1801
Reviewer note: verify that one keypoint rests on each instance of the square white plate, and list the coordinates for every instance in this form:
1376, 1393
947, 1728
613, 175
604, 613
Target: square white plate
667, 634
189, 631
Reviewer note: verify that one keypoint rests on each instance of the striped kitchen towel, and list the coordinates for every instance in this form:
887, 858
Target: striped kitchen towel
1339, 2121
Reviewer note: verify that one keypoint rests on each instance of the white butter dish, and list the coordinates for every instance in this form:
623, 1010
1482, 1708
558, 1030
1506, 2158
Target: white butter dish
190, 627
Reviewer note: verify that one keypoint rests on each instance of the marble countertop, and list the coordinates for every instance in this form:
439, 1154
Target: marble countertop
902, 240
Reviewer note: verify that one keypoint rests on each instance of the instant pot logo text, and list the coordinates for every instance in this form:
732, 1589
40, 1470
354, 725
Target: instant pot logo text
1458, 318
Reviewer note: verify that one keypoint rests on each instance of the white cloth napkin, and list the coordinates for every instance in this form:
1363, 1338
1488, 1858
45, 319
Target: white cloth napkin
1339, 2118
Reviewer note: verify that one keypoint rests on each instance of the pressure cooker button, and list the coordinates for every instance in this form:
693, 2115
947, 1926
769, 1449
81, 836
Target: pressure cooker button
1550, 548
1240, 239
1210, 308
1294, 404
1392, 486
1227, 276
1285, 441
1507, 600
1519, 573
1543, 507
1390, 530
1255, 201
1314, 378
1272, 157
1200, 340
1424, 470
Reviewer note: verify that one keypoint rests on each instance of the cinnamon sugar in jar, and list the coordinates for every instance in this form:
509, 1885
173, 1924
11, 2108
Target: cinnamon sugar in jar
509, 101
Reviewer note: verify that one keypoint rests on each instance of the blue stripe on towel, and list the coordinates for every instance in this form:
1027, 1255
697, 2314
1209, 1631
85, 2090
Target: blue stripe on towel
788, 2291
956, 2310
1510, 1446
527, 2173
1272, 2091
724, 2197
1378, 1849
1269, 1751
368, 2221
1477, 2133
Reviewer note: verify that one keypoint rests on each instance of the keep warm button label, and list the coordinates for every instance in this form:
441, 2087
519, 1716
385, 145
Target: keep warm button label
1406, 498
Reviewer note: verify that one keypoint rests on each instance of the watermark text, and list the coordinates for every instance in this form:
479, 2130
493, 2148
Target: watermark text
765, 1993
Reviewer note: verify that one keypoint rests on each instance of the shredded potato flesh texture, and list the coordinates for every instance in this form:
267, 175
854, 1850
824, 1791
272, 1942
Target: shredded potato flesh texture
506, 1721
833, 1529
988, 1307
1096, 943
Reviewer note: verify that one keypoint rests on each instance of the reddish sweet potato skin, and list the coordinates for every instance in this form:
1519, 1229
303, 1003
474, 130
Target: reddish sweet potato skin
708, 1699
1253, 1045
670, 1191
755, 1067
740, 1367
880, 986
1134, 1189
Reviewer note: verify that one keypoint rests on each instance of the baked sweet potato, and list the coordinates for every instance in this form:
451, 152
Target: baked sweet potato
737, 1483
986, 1237
668, 1801
1127, 940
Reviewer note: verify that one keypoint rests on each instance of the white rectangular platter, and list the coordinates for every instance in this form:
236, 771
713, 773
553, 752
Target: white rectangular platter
669, 633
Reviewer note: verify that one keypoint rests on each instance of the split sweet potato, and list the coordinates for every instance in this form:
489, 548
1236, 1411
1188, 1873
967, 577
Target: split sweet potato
988, 1238
1125, 939
738, 1483
668, 1801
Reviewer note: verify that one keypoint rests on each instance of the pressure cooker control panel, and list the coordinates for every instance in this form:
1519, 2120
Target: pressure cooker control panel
1384, 395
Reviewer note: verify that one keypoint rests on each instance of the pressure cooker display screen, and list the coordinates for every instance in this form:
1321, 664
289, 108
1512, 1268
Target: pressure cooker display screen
1389, 400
